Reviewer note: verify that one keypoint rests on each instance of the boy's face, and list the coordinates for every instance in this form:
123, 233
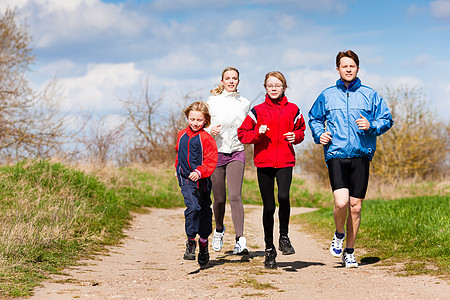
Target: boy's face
348, 70
196, 120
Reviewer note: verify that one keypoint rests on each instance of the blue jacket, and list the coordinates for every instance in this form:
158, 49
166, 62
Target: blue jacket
337, 109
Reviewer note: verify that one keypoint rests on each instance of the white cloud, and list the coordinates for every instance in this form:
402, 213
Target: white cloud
440, 9
53, 21
99, 87
239, 29
421, 60
296, 58
331, 6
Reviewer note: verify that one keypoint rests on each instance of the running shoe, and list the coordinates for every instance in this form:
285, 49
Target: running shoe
203, 254
285, 245
241, 246
349, 260
217, 242
336, 246
190, 250
269, 261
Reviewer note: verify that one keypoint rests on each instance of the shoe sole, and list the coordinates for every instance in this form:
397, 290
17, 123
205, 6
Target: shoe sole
186, 257
243, 252
202, 263
270, 267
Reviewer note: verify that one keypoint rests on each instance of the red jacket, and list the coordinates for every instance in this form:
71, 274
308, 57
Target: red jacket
196, 151
272, 150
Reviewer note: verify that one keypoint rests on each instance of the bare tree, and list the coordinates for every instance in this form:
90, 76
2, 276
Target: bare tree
154, 126
30, 123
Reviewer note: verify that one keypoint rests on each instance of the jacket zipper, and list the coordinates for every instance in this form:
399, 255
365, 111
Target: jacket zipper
348, 126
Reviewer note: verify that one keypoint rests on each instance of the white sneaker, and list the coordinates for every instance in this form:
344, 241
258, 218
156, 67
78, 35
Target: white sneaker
336, 246
241, 246
217, 242
349, 260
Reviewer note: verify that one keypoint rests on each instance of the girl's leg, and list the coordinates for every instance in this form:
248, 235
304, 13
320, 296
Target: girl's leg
266, 181
235, 175
205, 215
191, 213
220, 196
284, 179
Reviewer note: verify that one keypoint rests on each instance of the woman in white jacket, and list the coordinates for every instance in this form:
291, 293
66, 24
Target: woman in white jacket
228, 110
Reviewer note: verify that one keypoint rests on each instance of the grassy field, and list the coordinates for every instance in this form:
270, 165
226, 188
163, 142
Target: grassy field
52, 215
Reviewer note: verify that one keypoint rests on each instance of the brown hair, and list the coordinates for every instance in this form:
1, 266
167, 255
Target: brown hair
349, 54
201, 107
219, 89
276, 74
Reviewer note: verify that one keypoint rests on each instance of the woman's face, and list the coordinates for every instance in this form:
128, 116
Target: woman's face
230, 81
274, 87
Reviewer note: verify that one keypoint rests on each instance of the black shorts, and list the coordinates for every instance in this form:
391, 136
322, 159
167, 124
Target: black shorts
349, 173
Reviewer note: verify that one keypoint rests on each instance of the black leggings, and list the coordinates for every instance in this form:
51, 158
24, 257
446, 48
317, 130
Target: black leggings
266, 181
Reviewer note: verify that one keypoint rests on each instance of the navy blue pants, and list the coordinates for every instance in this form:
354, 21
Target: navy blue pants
198, 212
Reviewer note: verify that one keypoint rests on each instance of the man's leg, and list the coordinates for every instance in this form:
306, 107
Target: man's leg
341, 206
353, 220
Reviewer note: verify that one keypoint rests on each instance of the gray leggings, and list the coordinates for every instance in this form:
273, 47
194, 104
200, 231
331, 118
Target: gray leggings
234, 174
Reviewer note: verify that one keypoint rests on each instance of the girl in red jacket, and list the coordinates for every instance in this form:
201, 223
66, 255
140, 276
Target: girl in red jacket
274, 127
195, 162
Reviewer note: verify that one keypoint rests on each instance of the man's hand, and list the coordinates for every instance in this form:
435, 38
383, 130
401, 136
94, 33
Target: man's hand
325, 138
363, 123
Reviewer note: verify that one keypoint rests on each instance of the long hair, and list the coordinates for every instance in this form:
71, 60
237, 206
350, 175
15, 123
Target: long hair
201, 107
219, 89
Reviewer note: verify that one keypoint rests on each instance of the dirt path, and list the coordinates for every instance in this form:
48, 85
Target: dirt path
150, 265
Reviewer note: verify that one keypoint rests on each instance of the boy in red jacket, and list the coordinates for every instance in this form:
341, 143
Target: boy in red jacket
274, 126
195, 162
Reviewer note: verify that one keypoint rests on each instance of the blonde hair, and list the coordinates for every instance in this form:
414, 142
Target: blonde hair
279, 75
201, 107
219, 89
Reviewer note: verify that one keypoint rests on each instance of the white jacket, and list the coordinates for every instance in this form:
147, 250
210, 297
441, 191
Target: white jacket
228, 110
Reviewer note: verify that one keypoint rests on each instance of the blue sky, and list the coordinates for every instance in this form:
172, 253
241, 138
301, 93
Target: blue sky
104, 50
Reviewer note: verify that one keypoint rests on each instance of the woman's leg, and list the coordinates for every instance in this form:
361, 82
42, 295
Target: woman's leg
220, 196
235, 175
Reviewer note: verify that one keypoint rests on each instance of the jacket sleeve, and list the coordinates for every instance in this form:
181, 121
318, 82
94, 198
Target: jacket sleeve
317, 118
382, 119
210, 156
299, 128
248, 132
176, 148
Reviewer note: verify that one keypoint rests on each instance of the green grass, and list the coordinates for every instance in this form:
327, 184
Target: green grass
53, 215
412, 230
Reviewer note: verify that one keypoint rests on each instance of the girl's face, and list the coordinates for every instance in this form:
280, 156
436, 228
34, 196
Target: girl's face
230, 81
274, 87
196, 120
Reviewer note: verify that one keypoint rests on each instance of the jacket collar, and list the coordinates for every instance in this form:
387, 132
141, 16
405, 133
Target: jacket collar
230, 94
281, 102
192, 133
352, 87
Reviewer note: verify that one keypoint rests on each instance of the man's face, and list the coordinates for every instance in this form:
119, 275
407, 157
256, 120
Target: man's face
347, 69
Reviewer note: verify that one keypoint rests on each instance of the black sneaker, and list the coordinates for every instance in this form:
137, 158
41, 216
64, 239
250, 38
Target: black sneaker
285, 245
269, 262
190, 250
203, 254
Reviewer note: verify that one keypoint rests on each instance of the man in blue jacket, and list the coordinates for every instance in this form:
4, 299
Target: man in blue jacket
346, 119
